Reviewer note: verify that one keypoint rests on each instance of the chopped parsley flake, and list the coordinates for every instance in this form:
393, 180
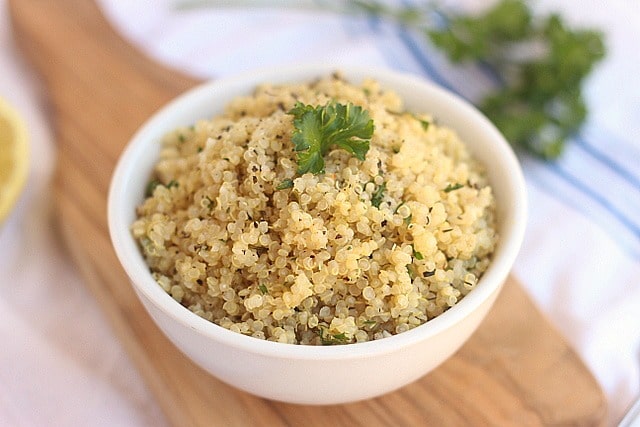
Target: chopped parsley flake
452, 187
377, 196
286, 183
331, 339
425, 123
151, 186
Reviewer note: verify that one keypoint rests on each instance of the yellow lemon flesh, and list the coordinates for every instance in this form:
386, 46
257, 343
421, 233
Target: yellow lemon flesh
14, 158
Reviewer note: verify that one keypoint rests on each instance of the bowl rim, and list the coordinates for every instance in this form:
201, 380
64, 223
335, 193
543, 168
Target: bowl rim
512, 230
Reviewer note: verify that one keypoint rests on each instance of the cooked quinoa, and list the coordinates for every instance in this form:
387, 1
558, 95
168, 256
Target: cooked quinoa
363, 251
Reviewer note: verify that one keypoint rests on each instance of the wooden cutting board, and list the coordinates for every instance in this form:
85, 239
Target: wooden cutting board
515, 370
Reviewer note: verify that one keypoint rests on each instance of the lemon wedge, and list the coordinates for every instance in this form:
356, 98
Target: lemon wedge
14, 157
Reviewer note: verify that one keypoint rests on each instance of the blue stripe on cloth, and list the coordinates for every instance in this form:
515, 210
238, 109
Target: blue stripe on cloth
579, 185
490, 72
424, 63
537, 175
608, 161
610, 135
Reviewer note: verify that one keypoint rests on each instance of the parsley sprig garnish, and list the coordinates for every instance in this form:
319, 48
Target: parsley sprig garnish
318, 128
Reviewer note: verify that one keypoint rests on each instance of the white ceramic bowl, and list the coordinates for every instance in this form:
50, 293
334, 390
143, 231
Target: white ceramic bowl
319, 374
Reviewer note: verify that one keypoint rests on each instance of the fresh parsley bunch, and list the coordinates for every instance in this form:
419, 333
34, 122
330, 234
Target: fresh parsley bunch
542, 64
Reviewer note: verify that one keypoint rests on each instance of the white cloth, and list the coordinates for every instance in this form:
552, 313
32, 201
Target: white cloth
580, 260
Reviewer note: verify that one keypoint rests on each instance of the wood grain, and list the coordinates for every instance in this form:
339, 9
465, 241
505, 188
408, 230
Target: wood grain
516, 370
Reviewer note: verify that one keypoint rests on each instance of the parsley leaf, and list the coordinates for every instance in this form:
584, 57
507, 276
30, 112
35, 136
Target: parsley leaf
319, 128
